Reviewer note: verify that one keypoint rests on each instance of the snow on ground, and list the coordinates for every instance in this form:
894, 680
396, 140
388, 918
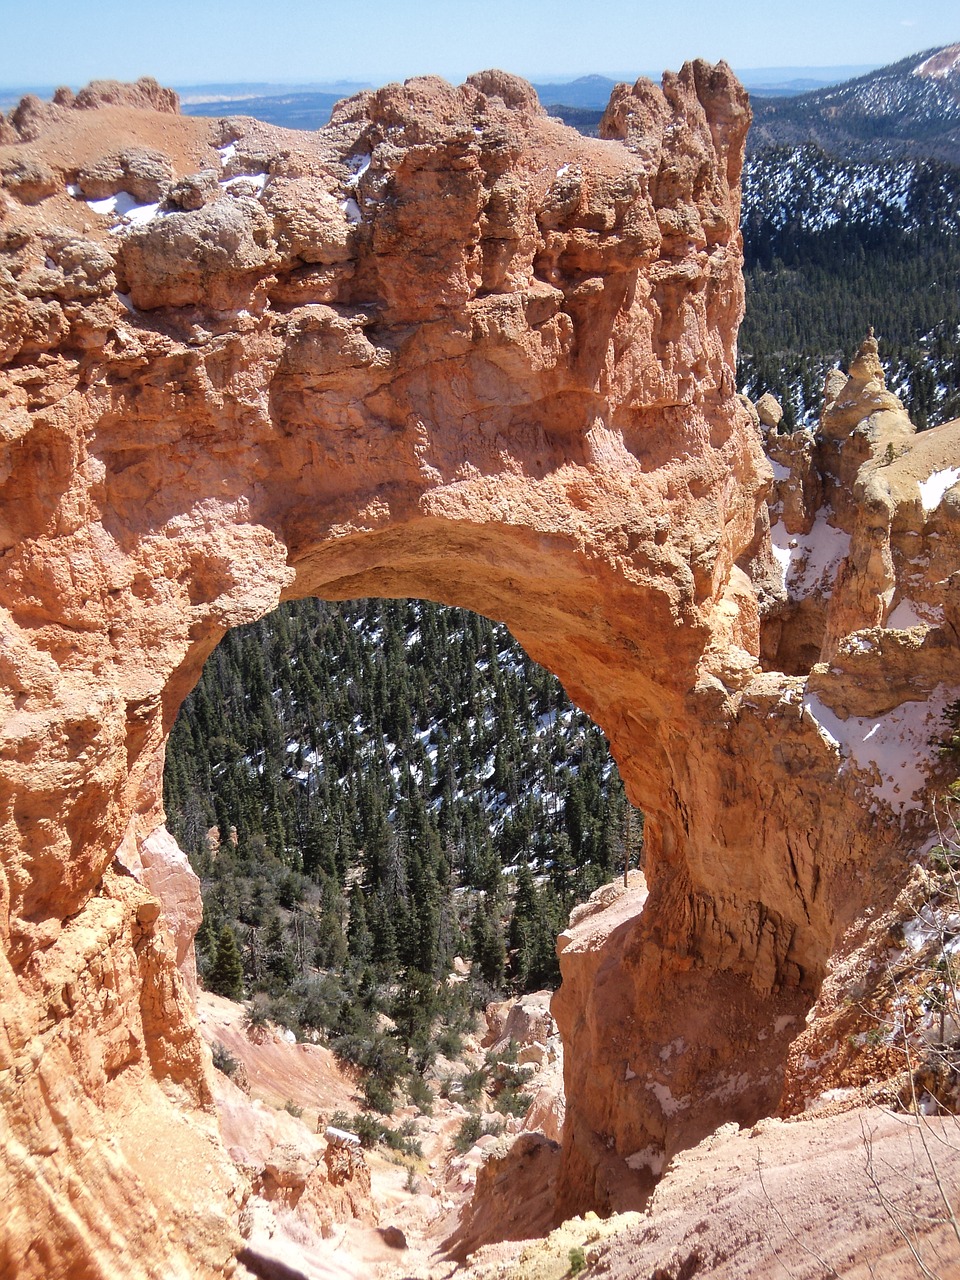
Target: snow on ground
943, 63
780, 540
669, 1105
124, 207
895, 746
936, 485
926, 926
363, 164
807, 560
910, 613
259, 180
651, 1158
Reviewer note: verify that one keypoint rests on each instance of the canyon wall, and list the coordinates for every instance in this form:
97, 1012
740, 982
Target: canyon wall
448, 348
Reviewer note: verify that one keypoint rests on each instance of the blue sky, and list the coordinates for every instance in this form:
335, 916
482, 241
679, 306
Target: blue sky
189, 41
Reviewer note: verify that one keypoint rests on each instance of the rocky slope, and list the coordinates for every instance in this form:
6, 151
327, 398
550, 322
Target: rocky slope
444, 348
860, 661
847, 1194
319, 1203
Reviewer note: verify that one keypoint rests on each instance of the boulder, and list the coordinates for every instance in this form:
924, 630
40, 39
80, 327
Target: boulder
769, 411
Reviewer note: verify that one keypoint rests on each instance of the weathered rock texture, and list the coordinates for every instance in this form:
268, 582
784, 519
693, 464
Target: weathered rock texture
445, 348
803, 804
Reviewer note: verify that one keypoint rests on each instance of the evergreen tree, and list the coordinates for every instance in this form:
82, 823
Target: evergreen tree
359, 938
226, 973
486, 937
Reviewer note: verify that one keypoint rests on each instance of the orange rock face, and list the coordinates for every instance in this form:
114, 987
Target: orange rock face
446, 348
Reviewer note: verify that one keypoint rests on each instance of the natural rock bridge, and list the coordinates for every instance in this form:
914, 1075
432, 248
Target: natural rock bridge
446, 348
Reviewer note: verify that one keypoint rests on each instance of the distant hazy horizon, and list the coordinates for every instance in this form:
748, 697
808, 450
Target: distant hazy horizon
352, 85
313, 42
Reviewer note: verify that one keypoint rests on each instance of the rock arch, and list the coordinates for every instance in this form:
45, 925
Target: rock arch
443, 348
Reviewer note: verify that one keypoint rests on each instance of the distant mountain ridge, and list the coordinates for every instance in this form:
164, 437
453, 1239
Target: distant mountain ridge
910, 108
296, 110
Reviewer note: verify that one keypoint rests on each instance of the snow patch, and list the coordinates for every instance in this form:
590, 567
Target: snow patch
940, 65
935, 486
142, 213
107, 205
341, 1137
896, 746
925, 927
815, 708
809, 560
669, 1105
651, 1158
226, 153
843, 1094
780, 472
908, 614
351, 209
782, 551
258, 179
124, 206
363, 164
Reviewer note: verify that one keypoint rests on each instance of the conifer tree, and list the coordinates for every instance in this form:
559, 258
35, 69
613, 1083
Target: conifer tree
486, 937
226, 974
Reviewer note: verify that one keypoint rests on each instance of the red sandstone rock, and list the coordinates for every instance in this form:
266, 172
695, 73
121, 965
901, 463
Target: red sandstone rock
451, 350
146, 94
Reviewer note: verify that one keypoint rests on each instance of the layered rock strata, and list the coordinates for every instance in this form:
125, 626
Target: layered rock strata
447, 348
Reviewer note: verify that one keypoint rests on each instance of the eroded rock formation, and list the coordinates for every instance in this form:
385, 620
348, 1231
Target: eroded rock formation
448, 348
813, 771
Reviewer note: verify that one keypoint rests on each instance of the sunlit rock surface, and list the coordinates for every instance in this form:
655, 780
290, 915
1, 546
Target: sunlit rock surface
445, 347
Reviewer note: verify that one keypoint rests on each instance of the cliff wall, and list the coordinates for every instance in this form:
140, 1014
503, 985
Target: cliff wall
447, 348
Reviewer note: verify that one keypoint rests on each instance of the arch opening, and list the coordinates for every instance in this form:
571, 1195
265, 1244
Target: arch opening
398, 762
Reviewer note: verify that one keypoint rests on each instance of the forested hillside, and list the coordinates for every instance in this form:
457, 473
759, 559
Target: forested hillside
909, 108
833, 246
373, 788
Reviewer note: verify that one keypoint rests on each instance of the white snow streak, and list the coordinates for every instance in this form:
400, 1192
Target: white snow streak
651, 1158
259, 180
809, 560
935, 486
